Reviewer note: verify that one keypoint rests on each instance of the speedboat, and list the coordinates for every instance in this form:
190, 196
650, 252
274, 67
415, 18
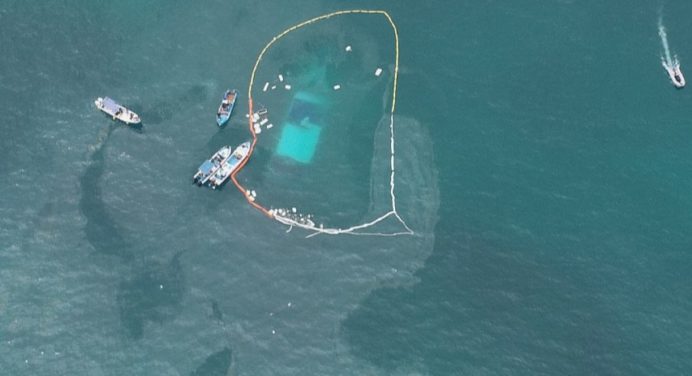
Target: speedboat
230, 165
211, 165
226, 107
117, 111
675, 74
678, 78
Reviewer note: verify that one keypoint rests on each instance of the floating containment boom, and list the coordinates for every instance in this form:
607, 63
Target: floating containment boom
309, 132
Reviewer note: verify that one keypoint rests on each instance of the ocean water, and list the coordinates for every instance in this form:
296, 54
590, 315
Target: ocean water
543, 162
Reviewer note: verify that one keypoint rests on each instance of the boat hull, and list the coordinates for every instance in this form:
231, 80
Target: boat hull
675, 75
117, 111
223, 114
209, 167
232, 164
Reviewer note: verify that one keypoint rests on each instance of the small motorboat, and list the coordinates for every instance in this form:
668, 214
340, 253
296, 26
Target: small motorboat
675, 74
117, 111
226, 108
230, 165
211, 165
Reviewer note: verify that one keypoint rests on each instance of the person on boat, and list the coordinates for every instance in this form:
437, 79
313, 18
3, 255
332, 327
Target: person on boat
224, 108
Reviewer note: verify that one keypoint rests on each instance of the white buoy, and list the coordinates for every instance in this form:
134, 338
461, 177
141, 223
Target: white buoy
378, 72
348, 48
281, 78
254, 194
160, 287
247, 116
255, 117
287, 87
264, 121
293, 209
337, 87
273, 331
266, 85
273, 87
251, 198
289, 304
270, 125
247, 192
258, 130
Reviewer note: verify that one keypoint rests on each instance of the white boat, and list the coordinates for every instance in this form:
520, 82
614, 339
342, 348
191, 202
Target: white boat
211, 165
230, 165
675, 74
117, 111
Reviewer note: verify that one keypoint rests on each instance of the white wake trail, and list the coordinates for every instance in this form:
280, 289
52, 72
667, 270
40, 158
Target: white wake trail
666, 59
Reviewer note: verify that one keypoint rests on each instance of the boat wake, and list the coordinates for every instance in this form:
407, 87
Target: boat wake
670, 62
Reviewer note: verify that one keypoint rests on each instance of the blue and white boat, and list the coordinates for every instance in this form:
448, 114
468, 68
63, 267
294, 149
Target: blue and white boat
117, 111
211, 165
230, 165
226, 108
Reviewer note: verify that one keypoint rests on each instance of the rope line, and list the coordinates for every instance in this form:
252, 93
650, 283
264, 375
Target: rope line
310, 226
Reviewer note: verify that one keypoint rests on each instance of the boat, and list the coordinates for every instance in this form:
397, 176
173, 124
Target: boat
675, 74
230, 165
679, 79
117, 111
226, 108
211, 165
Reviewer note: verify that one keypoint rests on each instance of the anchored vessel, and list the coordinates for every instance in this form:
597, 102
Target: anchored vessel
229, 165
226, 107
117, 111
211, 165
675, 74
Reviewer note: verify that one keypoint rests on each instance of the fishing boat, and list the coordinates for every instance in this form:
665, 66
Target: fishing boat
230, 165
211, 165
226, 108
675, 74
117, 111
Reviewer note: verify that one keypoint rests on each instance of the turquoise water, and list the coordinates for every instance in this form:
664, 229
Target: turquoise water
298, 142
299, 134
544, 164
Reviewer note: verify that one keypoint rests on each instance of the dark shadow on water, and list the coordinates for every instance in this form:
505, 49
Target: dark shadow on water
165, 109
216, 364
101, 230
154, 294
482, 307
137, 128
216, 312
